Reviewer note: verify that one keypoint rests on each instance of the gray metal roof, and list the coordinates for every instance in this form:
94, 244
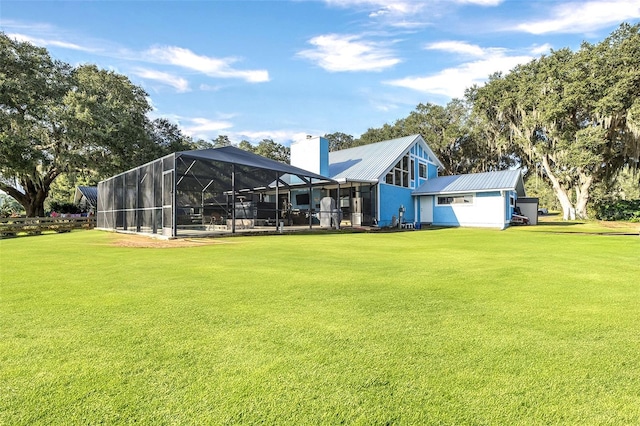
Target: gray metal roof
474, 182
371, 162
89, 192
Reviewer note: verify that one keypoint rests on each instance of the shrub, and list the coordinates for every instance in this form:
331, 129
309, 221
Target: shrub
628, 210
65, 208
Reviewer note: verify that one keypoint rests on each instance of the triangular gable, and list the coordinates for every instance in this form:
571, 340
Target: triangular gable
90, 193
370, 163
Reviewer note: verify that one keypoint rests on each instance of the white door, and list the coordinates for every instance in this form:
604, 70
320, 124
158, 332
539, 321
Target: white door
426, 209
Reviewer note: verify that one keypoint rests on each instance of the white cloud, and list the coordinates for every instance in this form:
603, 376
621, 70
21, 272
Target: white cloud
284, 137
407, 14
394, 13
382, 6
48, 42
209, 88
213, 67
456, 47
452, 82
335, 53
578, 17
481, 2
203, 127
542, 49
180, 84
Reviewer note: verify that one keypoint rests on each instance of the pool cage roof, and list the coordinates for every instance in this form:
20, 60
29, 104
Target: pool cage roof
175, 192
261, 165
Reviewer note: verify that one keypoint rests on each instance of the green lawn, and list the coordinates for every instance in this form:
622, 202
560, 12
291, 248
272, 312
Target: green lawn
453, 326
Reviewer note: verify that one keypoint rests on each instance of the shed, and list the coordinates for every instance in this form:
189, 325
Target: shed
477, 199
86, 197
529, 207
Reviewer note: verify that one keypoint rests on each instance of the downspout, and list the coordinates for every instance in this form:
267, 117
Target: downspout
378, 203
504, 209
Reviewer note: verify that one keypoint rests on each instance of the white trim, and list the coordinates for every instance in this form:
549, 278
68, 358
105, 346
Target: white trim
466, 191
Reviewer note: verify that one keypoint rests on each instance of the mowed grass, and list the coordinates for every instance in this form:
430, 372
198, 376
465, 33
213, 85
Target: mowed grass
450, 326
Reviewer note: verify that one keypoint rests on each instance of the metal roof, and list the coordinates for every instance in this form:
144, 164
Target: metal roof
474, 182
89, 192
233, 155
371, 162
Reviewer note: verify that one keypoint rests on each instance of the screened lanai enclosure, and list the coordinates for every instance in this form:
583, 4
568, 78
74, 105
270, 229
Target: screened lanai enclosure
219, 190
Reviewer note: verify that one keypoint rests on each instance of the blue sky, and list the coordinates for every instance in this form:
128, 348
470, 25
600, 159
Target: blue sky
285, 69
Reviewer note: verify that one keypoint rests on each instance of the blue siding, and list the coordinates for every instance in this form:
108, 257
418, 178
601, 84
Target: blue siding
324, 157
432, 171
444, 215
391, 198
510, 210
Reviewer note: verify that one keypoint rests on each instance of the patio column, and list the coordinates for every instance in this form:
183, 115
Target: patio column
310, 202
233, 198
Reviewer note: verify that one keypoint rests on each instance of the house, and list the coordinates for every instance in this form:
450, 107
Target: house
229, 190
375, 182
396, 182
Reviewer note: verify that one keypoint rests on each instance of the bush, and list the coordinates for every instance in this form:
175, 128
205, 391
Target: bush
64, 208
628, 210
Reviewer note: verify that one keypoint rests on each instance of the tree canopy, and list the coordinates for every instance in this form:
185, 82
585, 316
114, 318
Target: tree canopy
573, 115
452, 134
339, 140
55, 119
269, 149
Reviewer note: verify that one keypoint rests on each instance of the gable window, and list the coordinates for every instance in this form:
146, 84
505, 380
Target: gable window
455, 199
399, 175
422, 170
389, 179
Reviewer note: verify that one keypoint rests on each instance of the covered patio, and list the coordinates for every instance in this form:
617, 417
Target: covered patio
212, 191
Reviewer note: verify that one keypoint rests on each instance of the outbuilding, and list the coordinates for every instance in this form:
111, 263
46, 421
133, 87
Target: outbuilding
478, 199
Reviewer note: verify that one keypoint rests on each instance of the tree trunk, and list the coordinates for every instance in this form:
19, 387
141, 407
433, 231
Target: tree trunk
35, 206
582, 196
568, 211
32, 196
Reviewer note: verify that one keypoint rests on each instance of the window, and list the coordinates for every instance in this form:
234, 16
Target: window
399, 175
302, 199
422, 172
455, 199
